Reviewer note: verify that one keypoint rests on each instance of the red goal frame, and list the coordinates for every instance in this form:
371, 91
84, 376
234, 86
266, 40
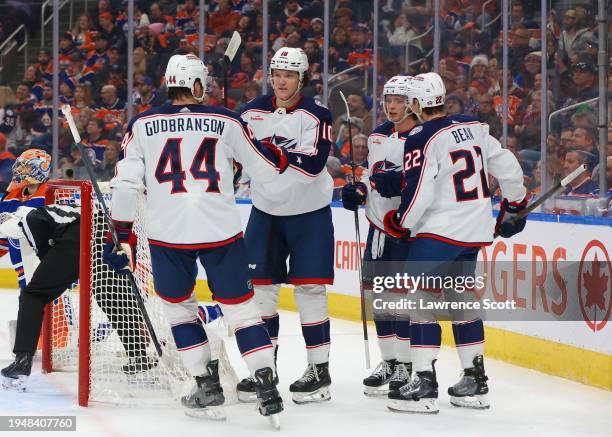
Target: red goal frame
85, 189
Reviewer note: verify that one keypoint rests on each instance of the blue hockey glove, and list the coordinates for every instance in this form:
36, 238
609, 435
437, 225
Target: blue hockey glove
387, 183
354, 195
208, 313
508, 223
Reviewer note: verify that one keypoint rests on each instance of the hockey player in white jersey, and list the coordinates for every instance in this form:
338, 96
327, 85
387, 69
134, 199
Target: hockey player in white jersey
183, 153
380, 189
291, 217
446, 208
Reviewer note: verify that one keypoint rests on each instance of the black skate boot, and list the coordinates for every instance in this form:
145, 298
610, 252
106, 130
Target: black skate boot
313, 386
269, 402
400, 376
139, 364
246, 387
471, 390
206, 398
420, 395
15, 375
377, 384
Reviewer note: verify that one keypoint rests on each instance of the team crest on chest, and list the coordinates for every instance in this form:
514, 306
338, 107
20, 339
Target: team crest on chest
280, 141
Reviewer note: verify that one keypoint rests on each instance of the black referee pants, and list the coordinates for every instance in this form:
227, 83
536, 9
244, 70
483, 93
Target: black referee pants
58, 269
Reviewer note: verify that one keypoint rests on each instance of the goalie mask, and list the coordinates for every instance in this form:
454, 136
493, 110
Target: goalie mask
32, 167
183, 71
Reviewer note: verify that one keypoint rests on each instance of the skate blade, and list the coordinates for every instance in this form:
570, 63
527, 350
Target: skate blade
274, 420
476, 402
209, 413
374, 392
18, 384
422, 406
247, 397
321, 395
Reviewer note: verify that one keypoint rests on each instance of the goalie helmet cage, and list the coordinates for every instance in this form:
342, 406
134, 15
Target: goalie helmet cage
92, 326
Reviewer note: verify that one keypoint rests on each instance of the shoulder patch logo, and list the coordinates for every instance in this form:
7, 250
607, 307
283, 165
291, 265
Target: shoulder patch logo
415, 130
185, 109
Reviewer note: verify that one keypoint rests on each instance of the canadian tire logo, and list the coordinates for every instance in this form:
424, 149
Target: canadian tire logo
595, 285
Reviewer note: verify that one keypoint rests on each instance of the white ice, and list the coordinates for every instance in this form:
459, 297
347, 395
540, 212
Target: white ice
524, 402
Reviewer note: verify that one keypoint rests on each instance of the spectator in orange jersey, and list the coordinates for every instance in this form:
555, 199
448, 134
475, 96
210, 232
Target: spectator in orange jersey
224, 20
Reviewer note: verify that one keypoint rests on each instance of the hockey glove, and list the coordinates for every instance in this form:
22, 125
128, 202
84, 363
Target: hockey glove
208, 313
354, 195
387, 183
393, 227
508, 222
123, 260
281, 159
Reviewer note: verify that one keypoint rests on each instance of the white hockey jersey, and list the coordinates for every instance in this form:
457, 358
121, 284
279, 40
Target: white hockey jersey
385, 153
183, 156
446, 194
305, 132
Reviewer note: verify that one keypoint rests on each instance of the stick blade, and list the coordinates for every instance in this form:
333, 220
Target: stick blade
232, 47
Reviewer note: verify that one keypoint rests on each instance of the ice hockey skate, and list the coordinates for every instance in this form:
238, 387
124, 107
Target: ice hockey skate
269, 402
471, 390
15, 376
420, 395
401, 376
377, 384
313, 386
246, 387
206, 398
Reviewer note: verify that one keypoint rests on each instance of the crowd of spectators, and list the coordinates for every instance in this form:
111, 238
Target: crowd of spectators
93, 76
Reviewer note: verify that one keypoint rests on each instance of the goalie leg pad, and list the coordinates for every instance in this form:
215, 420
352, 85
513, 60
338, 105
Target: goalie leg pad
189, 335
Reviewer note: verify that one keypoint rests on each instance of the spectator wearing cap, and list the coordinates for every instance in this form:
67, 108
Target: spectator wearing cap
456, 51
113, 34
67, 87
224, 20
361, 51
529, 69
147, 96
573, 32
584, 78
454, 105
478, 78
44, 65
583, 184
315, 31
7, 159
99, 57
343, 143
66, 49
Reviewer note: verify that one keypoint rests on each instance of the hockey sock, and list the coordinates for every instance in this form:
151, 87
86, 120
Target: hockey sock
251, 334
311, 301
426, 338
272, 325
469, 339
402, 341
192, 345
385, 331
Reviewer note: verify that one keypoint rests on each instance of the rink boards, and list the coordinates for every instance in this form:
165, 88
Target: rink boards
580, 349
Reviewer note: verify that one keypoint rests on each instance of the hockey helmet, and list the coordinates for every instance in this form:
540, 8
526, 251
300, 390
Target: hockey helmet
398, 86
183, 71
428, 89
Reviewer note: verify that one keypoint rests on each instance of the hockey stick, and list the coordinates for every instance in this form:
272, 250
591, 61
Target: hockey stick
89, 167
358, 236
550, 193
228, 58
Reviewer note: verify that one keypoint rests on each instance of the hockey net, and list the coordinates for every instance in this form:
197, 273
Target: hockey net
96, 328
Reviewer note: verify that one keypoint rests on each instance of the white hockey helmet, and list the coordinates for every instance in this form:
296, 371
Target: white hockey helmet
290, 59
398, 86
183, 71
428, 89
